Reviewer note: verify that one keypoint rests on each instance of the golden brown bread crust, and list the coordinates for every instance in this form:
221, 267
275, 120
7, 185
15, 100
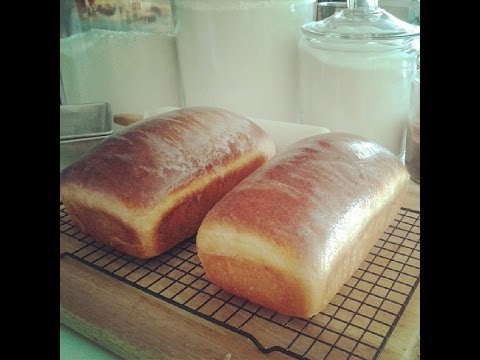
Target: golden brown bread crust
146, 189
308, 218
167, 151
278, 290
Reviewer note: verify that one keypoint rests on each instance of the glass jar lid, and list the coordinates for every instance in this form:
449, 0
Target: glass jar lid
361, 20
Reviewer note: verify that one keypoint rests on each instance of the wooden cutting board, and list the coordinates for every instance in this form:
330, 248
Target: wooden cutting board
136, 325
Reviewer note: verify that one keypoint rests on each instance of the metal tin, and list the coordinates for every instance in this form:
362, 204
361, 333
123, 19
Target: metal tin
85, 120
74, 149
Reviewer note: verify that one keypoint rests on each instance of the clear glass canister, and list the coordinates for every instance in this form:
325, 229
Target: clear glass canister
242, 55
328, 8
356, 68
120, 52
412, 155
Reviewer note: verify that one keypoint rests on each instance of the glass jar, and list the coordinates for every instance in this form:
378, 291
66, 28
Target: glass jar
328, 8
120, 52
242, 55
412, 155
356, 68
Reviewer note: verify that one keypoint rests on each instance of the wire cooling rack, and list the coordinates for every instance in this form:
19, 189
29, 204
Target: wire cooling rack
355, 325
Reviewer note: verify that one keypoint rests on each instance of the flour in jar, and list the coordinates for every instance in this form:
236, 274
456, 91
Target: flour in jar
242, 55
366, 93
134, 71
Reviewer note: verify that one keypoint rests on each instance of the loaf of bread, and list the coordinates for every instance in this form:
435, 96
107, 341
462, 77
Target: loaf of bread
291, 234
147, 188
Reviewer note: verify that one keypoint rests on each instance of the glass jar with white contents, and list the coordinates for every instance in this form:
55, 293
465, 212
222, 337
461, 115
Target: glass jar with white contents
241, 55
356, 68
118, 51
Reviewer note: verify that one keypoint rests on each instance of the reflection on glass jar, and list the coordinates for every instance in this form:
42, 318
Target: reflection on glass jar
328, 8
412, 156
241, 54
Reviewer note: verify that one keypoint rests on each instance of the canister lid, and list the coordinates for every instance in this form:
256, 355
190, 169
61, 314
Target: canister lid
361, 20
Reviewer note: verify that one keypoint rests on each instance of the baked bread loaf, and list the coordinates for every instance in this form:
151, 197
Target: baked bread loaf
147, 188
291, 234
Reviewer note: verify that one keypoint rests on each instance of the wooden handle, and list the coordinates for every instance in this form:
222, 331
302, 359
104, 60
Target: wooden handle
126, 119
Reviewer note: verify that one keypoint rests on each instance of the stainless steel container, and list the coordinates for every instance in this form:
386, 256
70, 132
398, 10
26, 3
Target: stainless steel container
73, 150
82, 127
85, 120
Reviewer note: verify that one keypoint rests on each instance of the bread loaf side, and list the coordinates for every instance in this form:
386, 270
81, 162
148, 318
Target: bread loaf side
290, 235
147, 188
